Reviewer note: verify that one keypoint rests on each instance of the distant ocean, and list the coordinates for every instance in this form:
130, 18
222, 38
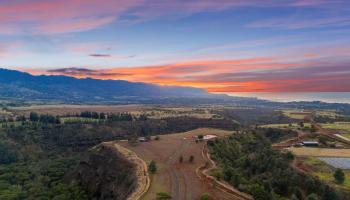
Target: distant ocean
329, 97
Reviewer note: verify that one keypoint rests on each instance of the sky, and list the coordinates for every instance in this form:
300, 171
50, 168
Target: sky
218, 45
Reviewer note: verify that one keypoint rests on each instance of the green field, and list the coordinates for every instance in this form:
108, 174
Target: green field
302, 114
347, 135
286, 126
343, 126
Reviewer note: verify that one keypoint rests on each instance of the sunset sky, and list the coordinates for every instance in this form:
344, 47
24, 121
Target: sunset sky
221, 45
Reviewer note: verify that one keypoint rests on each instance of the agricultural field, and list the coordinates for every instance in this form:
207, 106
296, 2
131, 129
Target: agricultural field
319, 152
286, 126
302, 114
296, 114
201, 113
179, 179
346, 135
342, 126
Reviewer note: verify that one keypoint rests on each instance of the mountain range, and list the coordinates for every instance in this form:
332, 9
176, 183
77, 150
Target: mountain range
24, 86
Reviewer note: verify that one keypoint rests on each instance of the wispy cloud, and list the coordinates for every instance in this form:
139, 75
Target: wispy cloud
301, 22
66, 16
83, 73
100, 55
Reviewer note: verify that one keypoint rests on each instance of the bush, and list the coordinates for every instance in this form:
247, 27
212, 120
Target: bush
205, 196
163, 196
152, 167
339, 176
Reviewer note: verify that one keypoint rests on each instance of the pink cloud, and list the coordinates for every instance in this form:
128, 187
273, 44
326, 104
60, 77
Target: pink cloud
63, 16
50, 17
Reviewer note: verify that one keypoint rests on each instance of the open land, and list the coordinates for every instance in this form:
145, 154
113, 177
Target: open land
179, 179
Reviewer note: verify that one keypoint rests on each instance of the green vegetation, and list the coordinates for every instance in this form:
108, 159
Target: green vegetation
39, 179
296, 114
205, 196
250, 164
163, 196
339, 176
287, 126
344, 126
152, 167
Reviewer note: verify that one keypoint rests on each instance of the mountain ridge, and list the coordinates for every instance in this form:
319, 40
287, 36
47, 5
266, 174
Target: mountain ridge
22, 85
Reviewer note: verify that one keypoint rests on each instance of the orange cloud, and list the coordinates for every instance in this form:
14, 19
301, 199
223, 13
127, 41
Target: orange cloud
241, 75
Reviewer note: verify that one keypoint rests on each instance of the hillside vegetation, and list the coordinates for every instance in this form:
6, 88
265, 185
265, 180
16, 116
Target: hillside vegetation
249, 163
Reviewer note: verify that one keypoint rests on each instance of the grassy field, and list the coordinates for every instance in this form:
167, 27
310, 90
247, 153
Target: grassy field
347, 135
319, 152
286, 126
302, 114
343, 126
177, 112
296, 114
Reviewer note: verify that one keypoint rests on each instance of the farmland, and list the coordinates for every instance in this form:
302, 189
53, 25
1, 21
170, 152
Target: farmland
296, 114
342, 126
286, 126
302, 114
319, 152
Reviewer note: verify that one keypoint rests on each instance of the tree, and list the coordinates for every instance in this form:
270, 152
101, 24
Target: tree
339, 176
33, 116
301, 124
8, 153
312, 196
205, 196
259, 193
163, 196
191, 159
152, 167
102, 115
322, 139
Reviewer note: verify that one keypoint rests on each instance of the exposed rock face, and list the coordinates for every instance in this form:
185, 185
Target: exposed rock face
105, 173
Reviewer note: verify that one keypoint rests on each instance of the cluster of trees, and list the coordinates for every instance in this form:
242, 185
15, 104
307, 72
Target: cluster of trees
249, 163
40, 179
30, 168
110, 116
8, 153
